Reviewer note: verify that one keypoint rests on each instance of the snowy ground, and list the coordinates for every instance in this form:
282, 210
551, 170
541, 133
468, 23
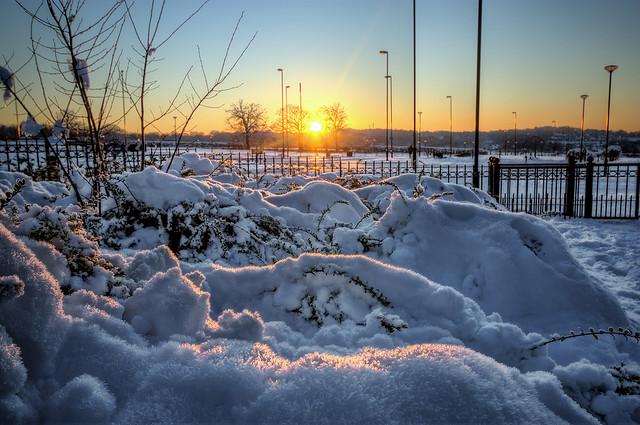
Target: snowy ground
610, 251
199, 297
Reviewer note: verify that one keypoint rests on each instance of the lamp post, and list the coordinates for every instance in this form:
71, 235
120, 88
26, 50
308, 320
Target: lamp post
390, 77
419, 132
584, 101
175, 130
610, 69
414, 150
515, 133
476, 147
450, 125
282, 107
300, 120
386, 81
286, 114
124, 111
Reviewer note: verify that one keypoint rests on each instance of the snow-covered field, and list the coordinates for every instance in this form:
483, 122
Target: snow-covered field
197, 297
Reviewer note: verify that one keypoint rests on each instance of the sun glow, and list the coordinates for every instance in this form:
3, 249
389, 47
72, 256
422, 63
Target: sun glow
315, 127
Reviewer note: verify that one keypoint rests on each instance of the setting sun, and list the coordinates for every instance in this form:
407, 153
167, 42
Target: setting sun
315, 127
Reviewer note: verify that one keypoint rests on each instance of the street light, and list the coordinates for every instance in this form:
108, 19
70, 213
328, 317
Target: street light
414, 150
300, 120
476, 147
282, 108
584, 101
450, 125
610, 69
286, 114
390, 77
515, 133
420, 132
386, 81
175, 130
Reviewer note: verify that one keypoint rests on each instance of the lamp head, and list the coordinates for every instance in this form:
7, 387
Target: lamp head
280, 69
584, 96
610, 68
384, 52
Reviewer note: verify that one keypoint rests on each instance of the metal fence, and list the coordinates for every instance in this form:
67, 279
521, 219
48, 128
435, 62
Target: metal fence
586, 190
254, 166
571, 189
29, 155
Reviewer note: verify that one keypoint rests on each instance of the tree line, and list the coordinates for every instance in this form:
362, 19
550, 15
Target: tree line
250, 119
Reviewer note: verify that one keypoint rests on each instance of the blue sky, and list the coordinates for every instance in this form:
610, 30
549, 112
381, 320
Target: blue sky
538, 57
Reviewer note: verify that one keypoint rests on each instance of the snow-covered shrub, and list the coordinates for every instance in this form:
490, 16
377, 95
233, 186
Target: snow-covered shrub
64, 229
497, 259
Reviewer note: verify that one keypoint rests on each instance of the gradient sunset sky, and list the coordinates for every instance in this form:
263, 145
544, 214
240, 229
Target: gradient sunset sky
539, 56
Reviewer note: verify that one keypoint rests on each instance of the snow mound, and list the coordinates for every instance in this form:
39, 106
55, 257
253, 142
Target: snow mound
39, 193
498, 259
169, 304
157, 189
31, 319
147, 263
83, 400
191, 163
85, 373
338, 303
319, 197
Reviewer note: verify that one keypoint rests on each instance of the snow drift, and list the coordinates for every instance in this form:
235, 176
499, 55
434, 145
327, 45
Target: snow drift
95, 376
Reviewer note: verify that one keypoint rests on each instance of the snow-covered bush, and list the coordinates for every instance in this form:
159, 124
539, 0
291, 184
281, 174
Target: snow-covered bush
64, 229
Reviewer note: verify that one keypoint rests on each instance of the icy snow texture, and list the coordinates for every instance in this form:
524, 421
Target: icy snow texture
83, 400
97, 376
168, 304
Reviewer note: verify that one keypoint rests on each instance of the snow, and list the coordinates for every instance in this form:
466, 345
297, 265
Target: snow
169, 304
609, 251
6, 77
200, 297
30, 128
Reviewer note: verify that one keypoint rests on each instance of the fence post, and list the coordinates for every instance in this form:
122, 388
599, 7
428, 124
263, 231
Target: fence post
494, 177
6, 146
570, 188
638, 191
588, 189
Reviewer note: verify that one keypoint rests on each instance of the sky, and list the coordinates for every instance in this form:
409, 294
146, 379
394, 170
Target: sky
538, 58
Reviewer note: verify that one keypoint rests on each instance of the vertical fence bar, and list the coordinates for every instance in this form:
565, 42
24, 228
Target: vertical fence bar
637, 191
588, 189
569, 194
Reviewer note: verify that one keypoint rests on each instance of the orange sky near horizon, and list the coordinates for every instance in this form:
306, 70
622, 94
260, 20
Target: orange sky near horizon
538, 58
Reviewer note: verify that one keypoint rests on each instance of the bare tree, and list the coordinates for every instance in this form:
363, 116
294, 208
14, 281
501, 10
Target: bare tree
78, 43
335, 118
149, 42
201, 98
246, 118
298, 122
